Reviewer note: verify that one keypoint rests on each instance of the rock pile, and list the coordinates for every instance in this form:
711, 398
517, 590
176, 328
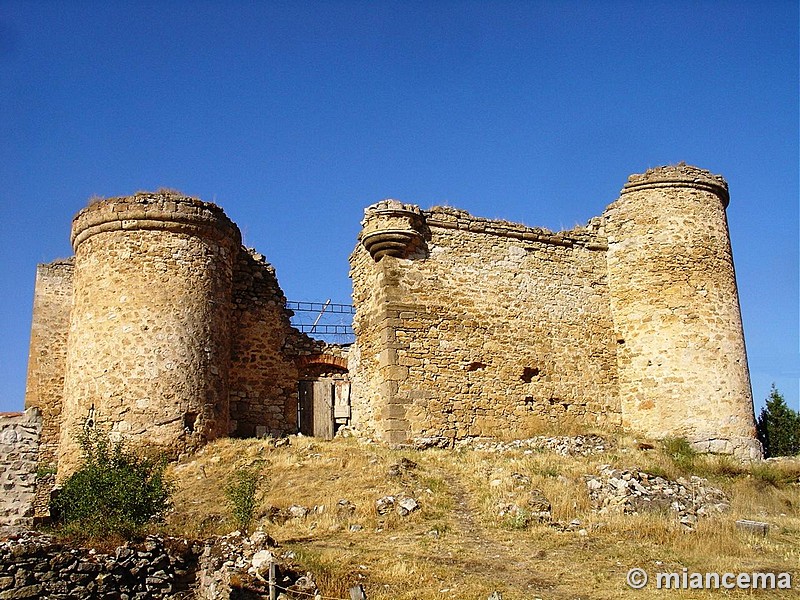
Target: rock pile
632, 491
234, 566
402, 505
578, 445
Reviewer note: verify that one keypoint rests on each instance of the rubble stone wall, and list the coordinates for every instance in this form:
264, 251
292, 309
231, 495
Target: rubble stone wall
52, 303
19, 459
263, 389
491, 328
35, 566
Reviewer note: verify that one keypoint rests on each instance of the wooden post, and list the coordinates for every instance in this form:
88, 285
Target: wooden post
357, 593
273, 592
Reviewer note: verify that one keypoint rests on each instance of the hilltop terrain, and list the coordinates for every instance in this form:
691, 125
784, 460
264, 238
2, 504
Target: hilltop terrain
549, 518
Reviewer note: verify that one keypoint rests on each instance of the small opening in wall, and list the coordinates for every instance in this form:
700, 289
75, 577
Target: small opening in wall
476, 366
189, 421
529, 400
528, 373
621, 341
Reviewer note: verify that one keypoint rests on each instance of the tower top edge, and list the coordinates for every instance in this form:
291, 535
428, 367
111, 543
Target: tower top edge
163, 209
680, 175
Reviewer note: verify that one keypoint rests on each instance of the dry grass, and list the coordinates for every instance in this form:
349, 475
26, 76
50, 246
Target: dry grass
457, 546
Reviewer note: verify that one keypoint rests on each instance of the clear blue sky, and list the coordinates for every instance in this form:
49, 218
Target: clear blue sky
294, 116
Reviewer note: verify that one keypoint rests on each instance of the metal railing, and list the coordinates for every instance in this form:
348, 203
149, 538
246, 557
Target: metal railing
333, 322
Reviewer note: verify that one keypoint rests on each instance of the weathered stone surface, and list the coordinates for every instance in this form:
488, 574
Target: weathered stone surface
35, 566
167, 331
491, 327
19, 457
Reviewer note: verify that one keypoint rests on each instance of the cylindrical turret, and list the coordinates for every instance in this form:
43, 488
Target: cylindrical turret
681, 354
149, 342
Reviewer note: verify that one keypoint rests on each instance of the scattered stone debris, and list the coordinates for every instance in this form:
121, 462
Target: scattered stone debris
579, 445
574, 525
402, 467
402, 505
407, 506
384, 504
521, 480
298, 512
538, 509
279, 516
424, 443
345, 508
539, 505
631, 491
235, 564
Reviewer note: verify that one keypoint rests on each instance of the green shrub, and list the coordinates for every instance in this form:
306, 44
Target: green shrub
114, 492
681, 452
241, 493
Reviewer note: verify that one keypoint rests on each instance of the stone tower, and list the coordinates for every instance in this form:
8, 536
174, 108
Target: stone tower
149, 344
681, 356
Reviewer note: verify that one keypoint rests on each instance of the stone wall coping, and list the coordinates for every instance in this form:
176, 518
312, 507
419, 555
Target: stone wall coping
154, 211
446, 217
680, 175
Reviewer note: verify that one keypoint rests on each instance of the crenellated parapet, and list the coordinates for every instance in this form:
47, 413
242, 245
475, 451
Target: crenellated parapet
391, 228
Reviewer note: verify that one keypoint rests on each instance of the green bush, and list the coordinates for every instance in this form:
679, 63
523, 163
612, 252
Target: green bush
681, 452
114, 492
778, 427
241, 493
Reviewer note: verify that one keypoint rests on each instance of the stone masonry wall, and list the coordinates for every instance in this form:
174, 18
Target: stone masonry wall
491, 328
149, 343
682, 361
263, 388
19, 458
36, 566
52, 303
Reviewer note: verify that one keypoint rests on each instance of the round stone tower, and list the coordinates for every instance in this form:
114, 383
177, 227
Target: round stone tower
681, 354
149, 341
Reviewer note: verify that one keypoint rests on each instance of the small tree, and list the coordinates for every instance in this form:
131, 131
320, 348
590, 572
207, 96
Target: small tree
778, 427
241, 494
114, 492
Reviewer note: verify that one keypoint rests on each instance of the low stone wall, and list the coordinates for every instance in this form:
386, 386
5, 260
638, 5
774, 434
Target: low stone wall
34, 566
19, 455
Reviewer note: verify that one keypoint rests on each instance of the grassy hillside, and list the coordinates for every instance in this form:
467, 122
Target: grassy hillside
475, 532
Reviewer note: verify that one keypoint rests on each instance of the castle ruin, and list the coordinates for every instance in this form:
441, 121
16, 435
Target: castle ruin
163, 328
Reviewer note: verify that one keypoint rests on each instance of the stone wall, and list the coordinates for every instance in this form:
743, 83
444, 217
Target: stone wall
52, 303
35, 566
485, 328
473, 327
19, 458
263, 387
149, 342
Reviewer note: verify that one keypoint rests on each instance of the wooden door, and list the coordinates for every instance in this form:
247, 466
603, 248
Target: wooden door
316, 408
